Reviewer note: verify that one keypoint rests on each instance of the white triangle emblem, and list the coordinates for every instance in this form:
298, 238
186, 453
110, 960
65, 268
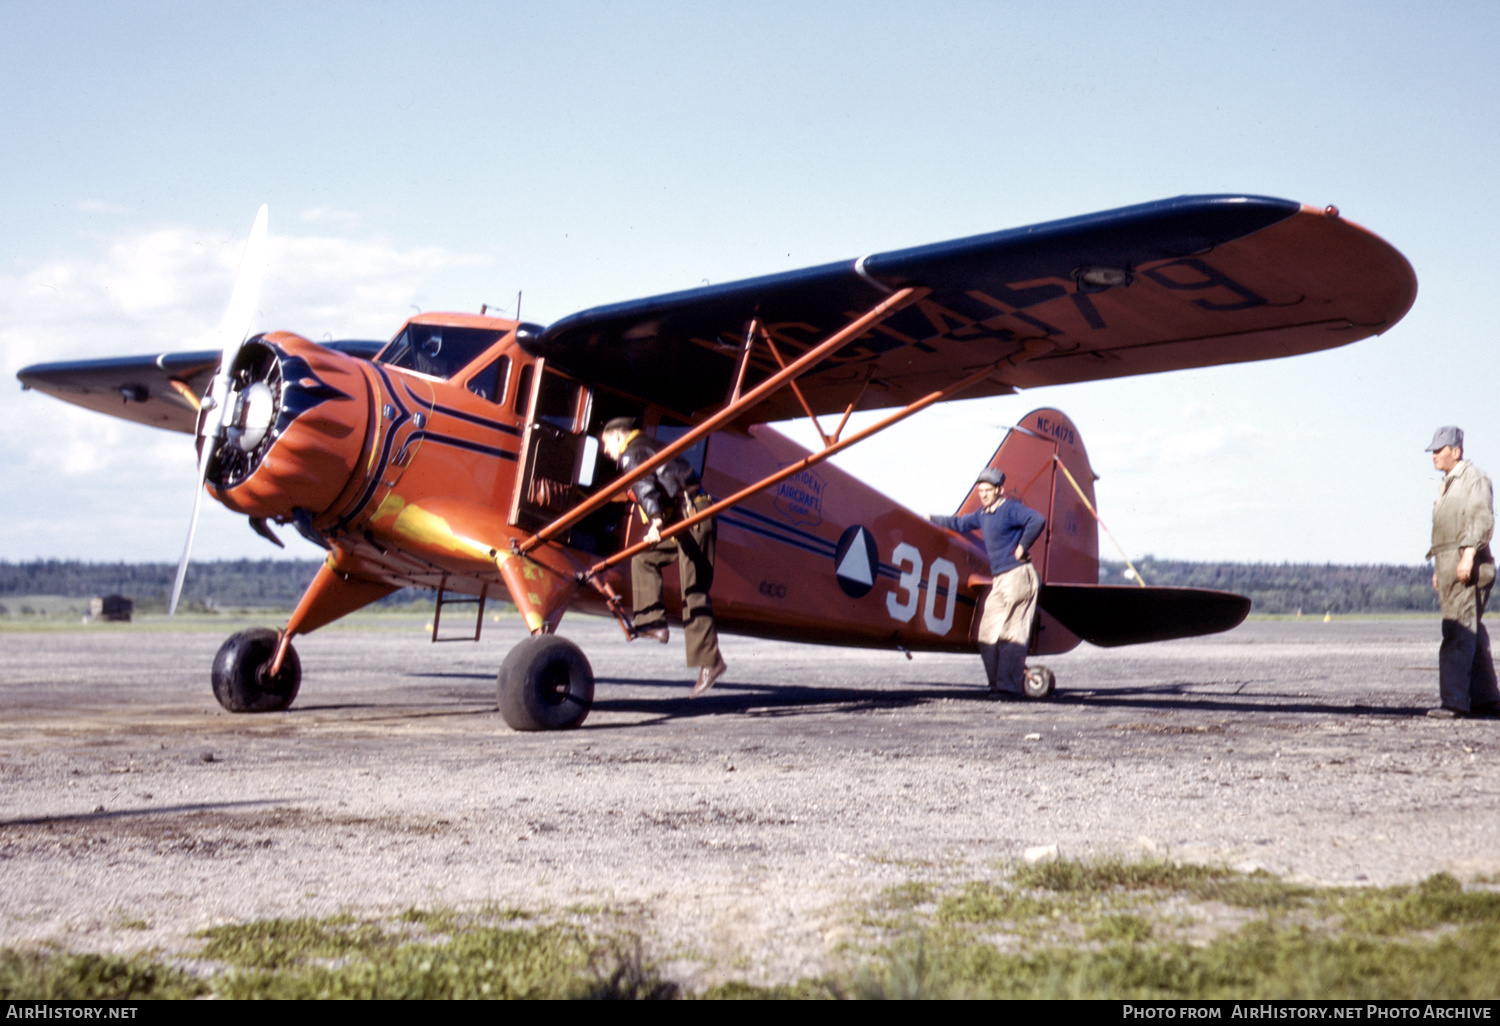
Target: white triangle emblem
856, 564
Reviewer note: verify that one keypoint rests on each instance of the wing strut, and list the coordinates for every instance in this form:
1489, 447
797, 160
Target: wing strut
812, 459
1097, 519
887, 307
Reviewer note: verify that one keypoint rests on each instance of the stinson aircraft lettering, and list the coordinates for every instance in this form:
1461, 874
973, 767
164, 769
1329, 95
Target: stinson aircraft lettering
461, 455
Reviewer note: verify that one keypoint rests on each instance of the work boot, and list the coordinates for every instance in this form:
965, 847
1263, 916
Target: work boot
661, 633
706, 677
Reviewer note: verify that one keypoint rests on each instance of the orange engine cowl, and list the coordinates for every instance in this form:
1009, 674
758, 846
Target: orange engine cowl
297, 424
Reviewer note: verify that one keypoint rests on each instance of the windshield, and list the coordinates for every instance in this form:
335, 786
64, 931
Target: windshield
437, 349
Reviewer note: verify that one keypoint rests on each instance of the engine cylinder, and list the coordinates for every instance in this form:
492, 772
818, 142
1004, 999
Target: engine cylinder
297, 425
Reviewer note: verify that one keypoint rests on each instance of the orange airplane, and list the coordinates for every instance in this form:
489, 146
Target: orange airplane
461, 456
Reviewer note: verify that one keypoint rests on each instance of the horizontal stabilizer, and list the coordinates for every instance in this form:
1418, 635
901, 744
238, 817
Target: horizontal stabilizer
1113, 615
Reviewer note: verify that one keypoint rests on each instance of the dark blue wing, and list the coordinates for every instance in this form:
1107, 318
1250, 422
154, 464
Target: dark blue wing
1184, 282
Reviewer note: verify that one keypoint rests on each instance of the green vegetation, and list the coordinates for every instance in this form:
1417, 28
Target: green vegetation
418, 955
1274, 589
52, 975
1115, 928
1285, 588
210, 584
1109, 928
1155, 929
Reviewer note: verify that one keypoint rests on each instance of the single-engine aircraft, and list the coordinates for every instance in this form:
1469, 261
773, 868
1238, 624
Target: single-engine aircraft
461, 455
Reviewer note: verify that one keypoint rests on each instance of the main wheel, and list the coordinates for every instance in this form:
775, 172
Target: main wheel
1039, 682
545, 683
241, 680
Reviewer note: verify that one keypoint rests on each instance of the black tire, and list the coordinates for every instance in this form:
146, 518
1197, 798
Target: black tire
241, 683
1038, 682
545, 683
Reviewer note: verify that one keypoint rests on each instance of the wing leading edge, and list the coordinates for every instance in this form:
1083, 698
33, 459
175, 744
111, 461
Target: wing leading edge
159, 390
1188, 282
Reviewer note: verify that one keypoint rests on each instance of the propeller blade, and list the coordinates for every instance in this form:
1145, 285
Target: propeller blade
238, 319
240, 315
203, 461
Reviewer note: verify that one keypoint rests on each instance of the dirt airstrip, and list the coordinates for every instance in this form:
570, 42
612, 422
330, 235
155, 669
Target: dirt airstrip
736, 831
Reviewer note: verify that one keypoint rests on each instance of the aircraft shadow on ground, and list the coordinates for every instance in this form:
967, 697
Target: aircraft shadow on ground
765, 700
788, 700
1183, 697
770, 700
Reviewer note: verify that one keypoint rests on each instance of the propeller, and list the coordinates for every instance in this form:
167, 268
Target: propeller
233, 329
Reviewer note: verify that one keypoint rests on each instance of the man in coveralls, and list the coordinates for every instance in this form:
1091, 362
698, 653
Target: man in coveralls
1009, 529
1463, 519
667, 495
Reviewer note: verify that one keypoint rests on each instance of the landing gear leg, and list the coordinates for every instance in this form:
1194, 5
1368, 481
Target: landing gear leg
242, 678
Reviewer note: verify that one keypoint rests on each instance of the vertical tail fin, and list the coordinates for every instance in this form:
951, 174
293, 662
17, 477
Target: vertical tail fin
1031, 455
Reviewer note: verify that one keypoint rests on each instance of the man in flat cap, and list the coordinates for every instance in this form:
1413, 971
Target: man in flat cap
1463, 519
669, 494
1009, 528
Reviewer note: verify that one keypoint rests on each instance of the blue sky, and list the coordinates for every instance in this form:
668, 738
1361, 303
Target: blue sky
440, 156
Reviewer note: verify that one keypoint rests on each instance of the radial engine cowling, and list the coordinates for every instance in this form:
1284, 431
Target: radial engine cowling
296, 426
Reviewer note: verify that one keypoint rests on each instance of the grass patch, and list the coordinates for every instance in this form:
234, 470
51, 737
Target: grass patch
907, 896
417, 954
50, 975
1063, 929
1121, 930
989, 903
477, 962
1074, 876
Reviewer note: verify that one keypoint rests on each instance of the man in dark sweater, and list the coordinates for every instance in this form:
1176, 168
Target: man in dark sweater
1009, 528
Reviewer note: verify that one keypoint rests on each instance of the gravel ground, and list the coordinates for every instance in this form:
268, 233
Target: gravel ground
736, 832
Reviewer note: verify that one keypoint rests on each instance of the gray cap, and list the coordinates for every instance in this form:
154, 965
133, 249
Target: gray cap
626, 424
989, 475
1446, 436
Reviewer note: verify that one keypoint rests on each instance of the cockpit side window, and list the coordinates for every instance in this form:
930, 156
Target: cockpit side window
491, 381
439, 350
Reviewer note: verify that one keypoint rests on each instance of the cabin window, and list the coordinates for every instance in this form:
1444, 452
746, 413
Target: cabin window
557, 402
490, 382
590, 465
523, 391
438, 350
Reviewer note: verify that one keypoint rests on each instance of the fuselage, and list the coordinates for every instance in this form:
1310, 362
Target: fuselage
454, 445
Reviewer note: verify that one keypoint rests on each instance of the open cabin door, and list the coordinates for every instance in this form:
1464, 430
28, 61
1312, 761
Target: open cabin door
552, 446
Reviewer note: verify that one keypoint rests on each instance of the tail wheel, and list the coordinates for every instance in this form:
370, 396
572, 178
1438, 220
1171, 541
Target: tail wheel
242, 681
545, 683
1039, 682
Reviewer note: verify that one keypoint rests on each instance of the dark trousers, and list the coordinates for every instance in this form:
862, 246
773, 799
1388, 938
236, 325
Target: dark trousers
693, 551
1005, 666
1466, 673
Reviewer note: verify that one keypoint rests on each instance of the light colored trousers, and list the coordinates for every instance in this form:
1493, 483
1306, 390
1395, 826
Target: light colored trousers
1011, 607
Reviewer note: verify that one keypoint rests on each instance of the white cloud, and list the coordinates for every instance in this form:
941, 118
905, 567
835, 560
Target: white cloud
78, 484
329, 215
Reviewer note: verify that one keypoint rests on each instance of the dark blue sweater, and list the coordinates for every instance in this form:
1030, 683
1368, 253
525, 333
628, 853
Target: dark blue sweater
1013, 524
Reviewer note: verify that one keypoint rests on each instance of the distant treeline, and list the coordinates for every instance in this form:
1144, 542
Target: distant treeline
1288, 587
222, 584
1272, 587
